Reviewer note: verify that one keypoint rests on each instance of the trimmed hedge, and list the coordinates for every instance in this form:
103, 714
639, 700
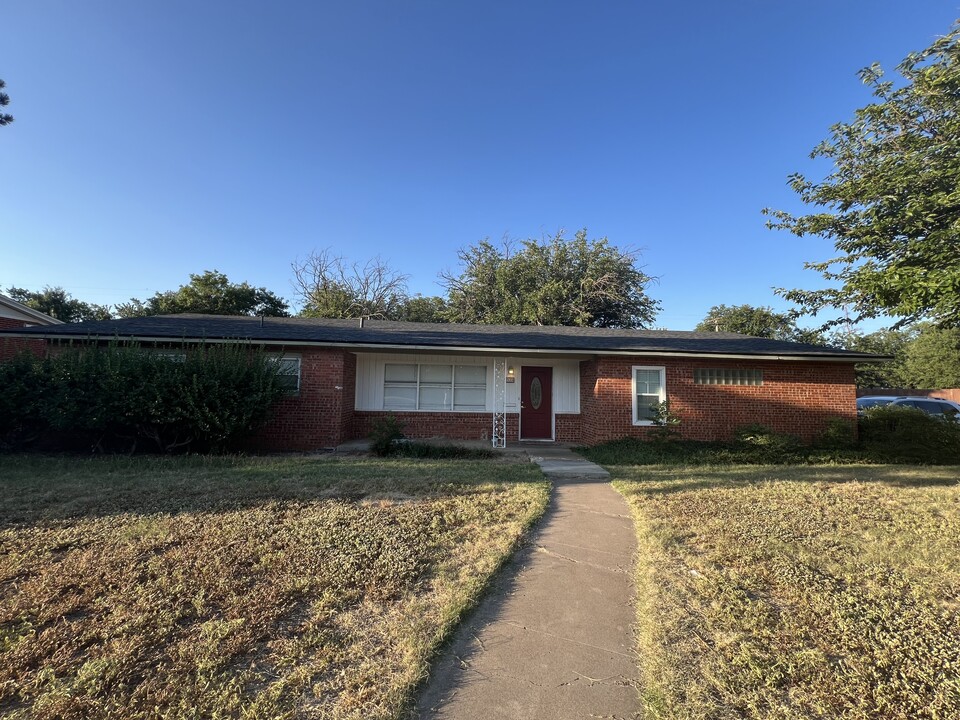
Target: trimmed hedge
125, 397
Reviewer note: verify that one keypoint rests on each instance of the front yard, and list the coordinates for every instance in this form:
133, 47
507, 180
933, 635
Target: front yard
797, 592
224, 587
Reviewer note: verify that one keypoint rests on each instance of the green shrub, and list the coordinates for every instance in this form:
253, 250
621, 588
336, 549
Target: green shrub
116, 397
384, 434
442, 452
837, 435
666, 425
23, 379
895, 433
758, 435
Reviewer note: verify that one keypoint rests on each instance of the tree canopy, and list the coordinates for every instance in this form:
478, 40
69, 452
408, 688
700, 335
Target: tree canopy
5, 118
555, 282
330, 286
882, 342
932, 360
212, 293
891, 204
423, 308
762, 322
58, 303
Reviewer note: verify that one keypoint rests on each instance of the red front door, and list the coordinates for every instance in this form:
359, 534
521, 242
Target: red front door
536, 407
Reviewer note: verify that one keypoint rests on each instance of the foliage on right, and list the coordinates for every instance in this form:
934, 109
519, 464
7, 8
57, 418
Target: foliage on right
891, 204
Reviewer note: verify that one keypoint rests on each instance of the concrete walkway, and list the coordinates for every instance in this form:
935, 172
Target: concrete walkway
553, 638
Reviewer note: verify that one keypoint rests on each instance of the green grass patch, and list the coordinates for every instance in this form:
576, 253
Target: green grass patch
633, 451
242, 587
797, 592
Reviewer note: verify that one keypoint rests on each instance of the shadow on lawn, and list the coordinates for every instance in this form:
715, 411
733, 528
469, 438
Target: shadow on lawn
40, 489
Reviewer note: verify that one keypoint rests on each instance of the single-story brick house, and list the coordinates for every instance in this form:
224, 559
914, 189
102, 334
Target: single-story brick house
509, 383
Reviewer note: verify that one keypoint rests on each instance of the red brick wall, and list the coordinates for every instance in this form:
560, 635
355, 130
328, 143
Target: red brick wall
349, 384
320, 414
796, 397
568, 428
460, 426
11, 346
456, 426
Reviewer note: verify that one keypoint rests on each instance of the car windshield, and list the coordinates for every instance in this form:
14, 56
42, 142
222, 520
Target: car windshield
873, 402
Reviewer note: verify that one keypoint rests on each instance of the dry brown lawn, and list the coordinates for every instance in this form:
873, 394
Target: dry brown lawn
797, 592
241, 588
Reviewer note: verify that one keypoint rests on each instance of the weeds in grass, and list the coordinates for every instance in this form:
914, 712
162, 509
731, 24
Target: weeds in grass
797, 592
229, 587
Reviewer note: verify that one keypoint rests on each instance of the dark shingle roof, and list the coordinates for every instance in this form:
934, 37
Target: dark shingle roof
292, 331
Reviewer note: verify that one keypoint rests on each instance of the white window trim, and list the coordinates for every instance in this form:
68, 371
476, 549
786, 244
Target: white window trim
633, 387
453, 388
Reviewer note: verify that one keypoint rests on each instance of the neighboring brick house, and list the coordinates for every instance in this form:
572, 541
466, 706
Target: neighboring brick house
17, 315
509, 383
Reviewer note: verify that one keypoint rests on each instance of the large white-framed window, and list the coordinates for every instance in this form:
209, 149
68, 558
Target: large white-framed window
649, 388
434, 388
288, 367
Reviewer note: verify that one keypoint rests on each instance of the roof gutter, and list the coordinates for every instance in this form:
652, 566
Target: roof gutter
460, 348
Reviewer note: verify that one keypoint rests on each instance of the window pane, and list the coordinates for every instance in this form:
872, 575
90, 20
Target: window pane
436, 374
400, 373
644, 403
400, 398
289, 366
434, 397
471, 375
648, 382
470, 399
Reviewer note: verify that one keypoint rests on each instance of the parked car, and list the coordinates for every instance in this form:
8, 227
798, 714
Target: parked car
946, 409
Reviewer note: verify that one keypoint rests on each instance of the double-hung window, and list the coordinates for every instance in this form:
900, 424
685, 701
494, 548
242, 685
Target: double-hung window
649, 389
429, 387
288, 368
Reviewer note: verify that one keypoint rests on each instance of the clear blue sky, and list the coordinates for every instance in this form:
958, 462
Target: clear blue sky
157, 139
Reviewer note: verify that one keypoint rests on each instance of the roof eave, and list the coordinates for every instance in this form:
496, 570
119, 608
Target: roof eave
508, 350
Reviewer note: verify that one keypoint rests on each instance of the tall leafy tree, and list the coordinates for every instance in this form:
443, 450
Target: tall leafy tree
330, 286
212, 293
932, 360
762, 322
893, 342
555, 282
58, 303
421, 308
5, 118
891, 204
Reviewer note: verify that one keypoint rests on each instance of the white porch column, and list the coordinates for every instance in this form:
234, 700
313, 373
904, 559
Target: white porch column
499, 433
